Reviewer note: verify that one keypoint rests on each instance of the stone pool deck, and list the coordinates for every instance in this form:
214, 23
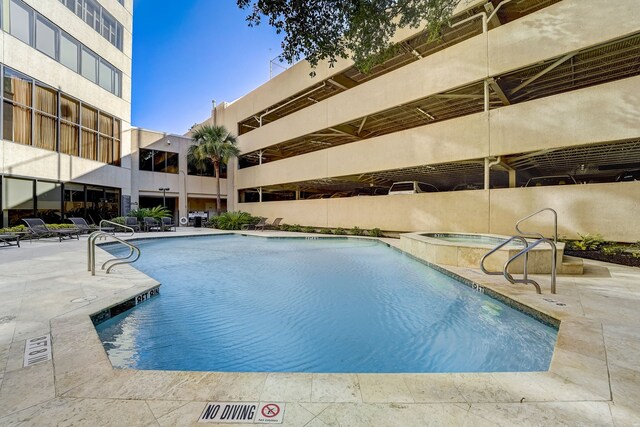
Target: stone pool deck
594, 378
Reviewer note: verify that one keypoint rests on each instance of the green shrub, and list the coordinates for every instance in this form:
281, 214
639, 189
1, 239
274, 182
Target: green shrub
211, 222
294, 228
15, 229
233, 220
119, 220
357, 231
588, 242
326, 231
60, 226
308, 230
339, 231
157, 213
612, 249
375, 232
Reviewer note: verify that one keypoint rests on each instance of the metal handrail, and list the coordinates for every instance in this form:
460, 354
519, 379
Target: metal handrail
506, 242
555, 225
511, 279
91, 252
126, 227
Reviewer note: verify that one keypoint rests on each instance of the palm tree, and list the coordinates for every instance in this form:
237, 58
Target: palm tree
213, 144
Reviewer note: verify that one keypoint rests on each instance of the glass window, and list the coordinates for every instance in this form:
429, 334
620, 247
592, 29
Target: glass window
119, 37
117, 152
159, 159
95, 204
106, 150
46, 36
74, 200
46, 132
17, 200
49, 201
89, 149
117, 83
106, 76
112, 207
146, 160
91, 14
46, 100
109, 30
172, 163
69, 52
17, 87
69, 139
69, 109
21, 18
89, 65
89, 118
16, 123
106, 124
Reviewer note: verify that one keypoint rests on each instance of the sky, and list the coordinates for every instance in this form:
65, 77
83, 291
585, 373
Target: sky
187, 53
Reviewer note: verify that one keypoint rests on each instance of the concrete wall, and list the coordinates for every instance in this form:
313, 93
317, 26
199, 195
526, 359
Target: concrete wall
609, 209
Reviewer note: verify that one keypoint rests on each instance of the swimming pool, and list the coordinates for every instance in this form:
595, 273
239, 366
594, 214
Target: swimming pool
250, 304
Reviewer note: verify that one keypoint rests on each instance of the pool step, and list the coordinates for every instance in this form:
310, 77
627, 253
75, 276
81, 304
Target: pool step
571, 266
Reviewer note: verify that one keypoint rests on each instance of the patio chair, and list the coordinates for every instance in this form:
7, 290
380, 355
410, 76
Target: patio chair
132, 221
260, 225
38, 228
82, 225
167, 224
10, 239
151, 224
274, 225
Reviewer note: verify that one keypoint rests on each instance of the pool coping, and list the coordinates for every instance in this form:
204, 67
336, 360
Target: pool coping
578, 370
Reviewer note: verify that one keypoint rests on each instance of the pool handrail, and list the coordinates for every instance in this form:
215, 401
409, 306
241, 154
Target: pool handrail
539, 235
506, 242
91, 252
511, 279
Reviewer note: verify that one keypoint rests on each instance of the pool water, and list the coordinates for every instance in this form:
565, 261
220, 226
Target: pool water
477, 239
249, 304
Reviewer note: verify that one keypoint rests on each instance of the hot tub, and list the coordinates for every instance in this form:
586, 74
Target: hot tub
467, 249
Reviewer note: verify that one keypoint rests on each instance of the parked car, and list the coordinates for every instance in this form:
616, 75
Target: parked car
542, 181
371, 191
319, 196
632, 175
462, 187
340, 194
411, 187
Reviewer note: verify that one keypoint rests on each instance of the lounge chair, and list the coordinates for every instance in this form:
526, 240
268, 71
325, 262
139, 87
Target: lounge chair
37, 228
167, 224
151, 224
274, 225
82, 225
132, 222
259, 225
10, 239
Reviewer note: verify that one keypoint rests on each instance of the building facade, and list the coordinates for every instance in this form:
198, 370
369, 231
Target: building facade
161, 176
516, 99
66, 100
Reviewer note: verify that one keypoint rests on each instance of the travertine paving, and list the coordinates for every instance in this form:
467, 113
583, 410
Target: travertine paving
594, 378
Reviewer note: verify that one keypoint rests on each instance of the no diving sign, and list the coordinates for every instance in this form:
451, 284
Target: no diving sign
243, 412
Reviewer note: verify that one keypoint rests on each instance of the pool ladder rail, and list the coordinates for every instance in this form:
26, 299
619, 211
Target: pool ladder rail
525, 252
134, 251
